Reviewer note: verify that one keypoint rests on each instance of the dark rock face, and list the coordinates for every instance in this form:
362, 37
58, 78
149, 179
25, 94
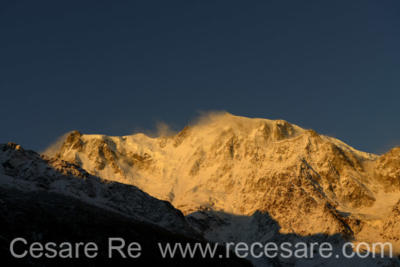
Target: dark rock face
48, 217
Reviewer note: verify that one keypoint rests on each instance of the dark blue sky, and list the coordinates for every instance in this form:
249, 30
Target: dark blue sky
114, 67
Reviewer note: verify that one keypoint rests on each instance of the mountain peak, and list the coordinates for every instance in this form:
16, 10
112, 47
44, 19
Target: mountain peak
220, 122
237, 165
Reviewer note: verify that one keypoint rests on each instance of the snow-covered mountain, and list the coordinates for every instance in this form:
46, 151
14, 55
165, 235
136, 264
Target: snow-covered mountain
235, 178
309, 183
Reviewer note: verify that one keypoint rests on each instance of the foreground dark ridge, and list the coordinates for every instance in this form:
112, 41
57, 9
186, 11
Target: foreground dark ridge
49, 200
49, 217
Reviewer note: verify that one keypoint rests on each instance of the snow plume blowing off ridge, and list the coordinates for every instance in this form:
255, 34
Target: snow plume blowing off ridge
162, 129
52, 149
